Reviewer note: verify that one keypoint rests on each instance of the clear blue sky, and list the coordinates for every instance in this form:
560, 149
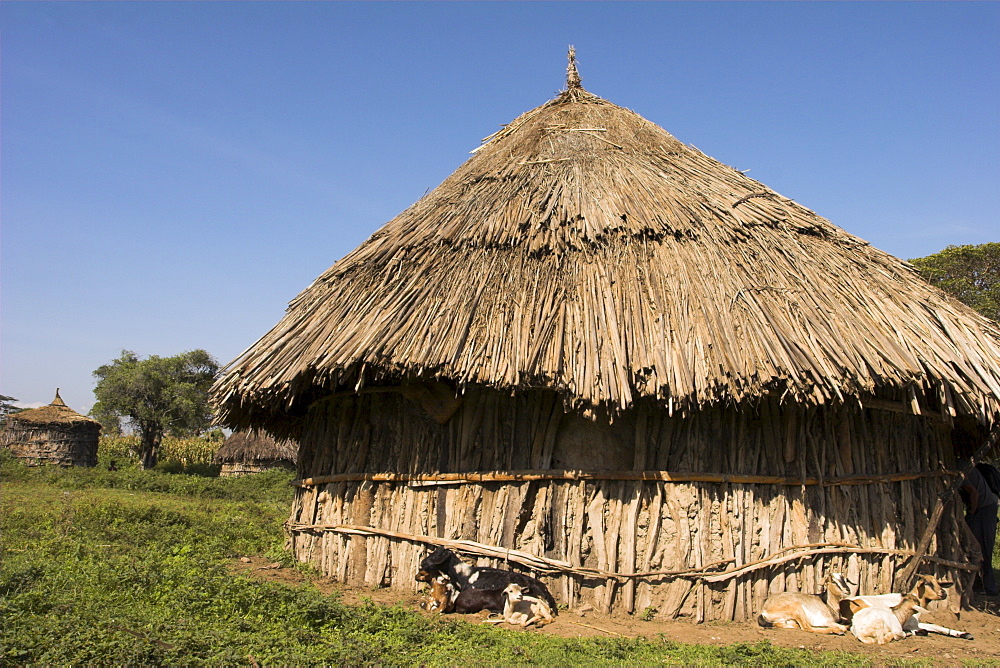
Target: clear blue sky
174, 173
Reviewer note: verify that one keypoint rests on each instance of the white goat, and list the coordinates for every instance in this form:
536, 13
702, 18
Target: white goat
881, 625
927, 589
790, 610
524, 610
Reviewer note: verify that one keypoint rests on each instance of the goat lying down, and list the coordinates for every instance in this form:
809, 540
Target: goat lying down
473, 600
517, 607
880, 614
520, 609
881, 625
442, 596
525, 610
927, 589
464, 577
791, 610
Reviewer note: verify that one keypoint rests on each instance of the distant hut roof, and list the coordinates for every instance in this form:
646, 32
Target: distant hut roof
584, 249
247, 446
56, 413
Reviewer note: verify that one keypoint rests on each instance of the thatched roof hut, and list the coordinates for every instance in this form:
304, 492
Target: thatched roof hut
52, 434
246, 452
605, 356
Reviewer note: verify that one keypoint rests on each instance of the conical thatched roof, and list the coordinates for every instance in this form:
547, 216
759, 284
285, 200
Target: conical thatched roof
56, 413
585, 249
247, 446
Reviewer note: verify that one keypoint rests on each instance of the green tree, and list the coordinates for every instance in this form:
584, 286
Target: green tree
157, 395
111, 422
6, 408
970, 273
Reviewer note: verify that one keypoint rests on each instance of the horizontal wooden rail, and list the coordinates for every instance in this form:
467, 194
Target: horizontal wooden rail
707, 573
418, 479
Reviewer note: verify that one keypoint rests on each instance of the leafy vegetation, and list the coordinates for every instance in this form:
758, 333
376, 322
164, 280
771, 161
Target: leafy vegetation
130, 567
6, 407
156, 395
970, 273
191, 454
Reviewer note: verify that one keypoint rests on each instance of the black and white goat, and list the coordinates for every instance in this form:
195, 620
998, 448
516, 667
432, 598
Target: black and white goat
464, 577
475, 600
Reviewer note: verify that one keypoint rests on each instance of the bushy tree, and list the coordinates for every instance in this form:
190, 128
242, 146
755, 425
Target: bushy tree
970, 273
157, 395
111, 422
6, 408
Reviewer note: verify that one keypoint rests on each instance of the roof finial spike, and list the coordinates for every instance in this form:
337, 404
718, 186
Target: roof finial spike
58, 400
572, 76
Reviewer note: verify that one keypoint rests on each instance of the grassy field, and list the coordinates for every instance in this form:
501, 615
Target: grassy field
130, 567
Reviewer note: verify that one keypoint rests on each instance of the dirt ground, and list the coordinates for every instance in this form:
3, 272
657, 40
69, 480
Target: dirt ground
983, 622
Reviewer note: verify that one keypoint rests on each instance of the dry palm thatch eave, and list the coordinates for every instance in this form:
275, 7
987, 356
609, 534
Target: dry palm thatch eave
584, 249
246, 446
56, 413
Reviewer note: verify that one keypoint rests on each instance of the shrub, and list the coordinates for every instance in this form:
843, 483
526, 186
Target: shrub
169, 466
194, 454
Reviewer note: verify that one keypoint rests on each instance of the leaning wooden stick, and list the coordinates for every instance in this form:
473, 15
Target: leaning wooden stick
706, 572
905, 579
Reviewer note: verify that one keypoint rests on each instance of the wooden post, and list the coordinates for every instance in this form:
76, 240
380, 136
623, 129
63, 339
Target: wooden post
905, 579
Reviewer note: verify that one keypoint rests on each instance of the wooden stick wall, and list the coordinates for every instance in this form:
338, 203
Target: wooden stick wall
626, 526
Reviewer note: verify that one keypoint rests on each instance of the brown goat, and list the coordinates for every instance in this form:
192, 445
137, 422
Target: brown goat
441, 597
791, 610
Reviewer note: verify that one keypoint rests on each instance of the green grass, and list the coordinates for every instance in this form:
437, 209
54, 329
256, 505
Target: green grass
129, 567
271, 486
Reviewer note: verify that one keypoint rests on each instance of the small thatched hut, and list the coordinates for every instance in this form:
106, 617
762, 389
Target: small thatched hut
53, 434
246, 452
599, 354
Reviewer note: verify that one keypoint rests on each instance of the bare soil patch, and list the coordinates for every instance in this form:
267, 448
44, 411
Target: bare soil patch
983, 622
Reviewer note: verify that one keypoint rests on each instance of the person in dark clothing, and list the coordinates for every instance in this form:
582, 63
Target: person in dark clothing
981, 511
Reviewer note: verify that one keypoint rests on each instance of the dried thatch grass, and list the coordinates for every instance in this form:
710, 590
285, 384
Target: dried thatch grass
52, 434
584, 249
250, 447
56, 413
